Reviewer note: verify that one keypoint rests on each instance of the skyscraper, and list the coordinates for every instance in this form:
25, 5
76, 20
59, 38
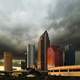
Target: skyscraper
55, 56
30, 55
69, 55
43, 45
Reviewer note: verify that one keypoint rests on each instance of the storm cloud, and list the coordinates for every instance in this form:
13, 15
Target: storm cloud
65, 23
23, 21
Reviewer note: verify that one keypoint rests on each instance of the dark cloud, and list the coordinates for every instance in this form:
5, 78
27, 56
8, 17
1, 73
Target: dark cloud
67, 22
23, 21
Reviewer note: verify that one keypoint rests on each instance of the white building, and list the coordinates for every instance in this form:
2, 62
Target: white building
30, 55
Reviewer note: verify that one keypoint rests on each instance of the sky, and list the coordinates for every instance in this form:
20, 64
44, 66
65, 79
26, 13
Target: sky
23, 21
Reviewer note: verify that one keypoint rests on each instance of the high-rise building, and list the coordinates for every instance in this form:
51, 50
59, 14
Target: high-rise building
69, 55
30, 55
55, 56
43, 45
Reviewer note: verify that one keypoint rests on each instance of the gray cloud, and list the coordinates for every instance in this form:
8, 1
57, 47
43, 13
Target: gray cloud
23, 21
65, 22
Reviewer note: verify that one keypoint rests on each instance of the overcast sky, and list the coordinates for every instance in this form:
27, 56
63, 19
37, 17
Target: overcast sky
23, 21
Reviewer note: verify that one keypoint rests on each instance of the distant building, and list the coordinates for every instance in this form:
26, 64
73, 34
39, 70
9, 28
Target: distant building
77, 57
69, 57
43, 45
30, 55
7, 61
55, 56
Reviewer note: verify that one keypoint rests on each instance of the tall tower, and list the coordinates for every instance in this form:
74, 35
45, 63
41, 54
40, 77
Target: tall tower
30, 55
43, 45
32, 52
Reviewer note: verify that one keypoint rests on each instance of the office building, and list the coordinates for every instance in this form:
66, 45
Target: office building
43, 45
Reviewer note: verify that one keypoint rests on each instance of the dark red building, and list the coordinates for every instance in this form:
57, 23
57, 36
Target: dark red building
55, 56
